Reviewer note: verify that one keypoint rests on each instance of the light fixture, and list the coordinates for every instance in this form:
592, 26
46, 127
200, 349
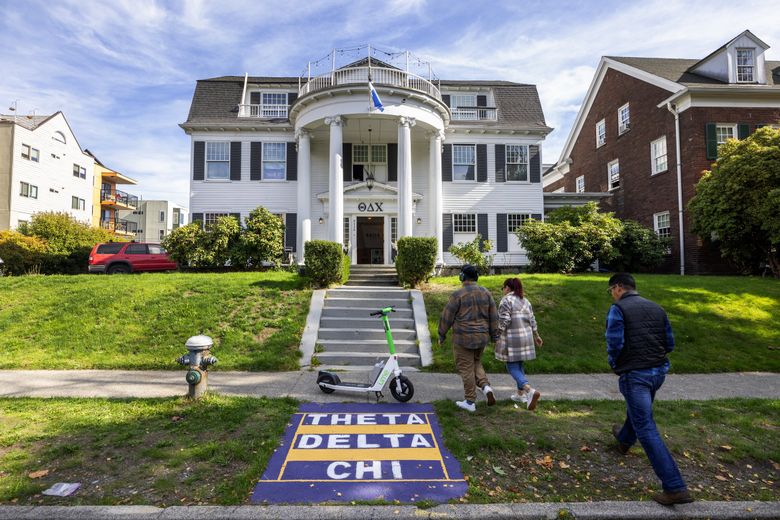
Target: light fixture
322, 220
419, 220
370, 168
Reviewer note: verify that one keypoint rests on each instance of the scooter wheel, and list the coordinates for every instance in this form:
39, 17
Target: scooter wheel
327, 379
407, 389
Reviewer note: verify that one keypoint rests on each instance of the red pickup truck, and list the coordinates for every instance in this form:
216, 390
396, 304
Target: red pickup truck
129, 257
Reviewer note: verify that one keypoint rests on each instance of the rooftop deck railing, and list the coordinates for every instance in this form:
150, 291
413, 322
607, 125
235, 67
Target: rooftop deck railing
263, 111
379, 76
119, 197
474, 114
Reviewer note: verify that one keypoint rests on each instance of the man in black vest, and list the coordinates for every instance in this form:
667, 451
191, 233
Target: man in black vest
639, 336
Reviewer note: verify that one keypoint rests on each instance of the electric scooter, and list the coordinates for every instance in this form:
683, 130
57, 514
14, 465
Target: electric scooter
400, 386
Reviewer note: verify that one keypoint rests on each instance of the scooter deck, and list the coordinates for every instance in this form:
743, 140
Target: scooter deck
354, 385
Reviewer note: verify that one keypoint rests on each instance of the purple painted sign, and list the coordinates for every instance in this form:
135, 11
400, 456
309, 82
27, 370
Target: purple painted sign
344, 452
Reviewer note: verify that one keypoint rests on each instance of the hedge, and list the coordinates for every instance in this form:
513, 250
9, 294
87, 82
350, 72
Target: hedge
416, 259
325, 263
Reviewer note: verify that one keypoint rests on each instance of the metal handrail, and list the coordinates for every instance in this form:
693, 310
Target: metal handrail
379, 76
119, 197
119, 225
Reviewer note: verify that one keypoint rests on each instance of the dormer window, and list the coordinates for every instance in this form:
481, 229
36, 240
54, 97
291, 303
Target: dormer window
464, 106
746, 64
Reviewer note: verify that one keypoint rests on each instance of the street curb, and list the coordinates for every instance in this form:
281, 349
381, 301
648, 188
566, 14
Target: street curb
526, 511
309, 336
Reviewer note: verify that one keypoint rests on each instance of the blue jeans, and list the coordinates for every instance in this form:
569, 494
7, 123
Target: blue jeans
515, 369
638, 388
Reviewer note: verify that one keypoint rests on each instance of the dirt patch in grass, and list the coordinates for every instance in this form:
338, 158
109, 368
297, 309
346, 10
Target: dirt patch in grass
266, 333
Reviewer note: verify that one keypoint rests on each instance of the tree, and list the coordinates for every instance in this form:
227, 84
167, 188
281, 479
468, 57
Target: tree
261, 240
737, 202
474, 253
638, 248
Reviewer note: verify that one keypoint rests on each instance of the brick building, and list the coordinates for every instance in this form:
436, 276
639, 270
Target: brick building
640, 114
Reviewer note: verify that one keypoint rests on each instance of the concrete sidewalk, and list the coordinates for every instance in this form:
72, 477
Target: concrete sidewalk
428, 386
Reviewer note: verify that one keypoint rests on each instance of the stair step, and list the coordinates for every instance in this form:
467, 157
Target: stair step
339, 311
370, 293
368, 305
355, 370
365, 347
365, 359
353, 333
335, 322
367, 283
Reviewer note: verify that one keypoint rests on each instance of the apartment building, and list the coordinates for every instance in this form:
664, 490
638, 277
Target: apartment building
108, 200
153, 220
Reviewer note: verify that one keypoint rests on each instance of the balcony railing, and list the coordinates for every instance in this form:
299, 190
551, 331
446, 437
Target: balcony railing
263, 111
119, 197
474, 114
379, 76
120, 226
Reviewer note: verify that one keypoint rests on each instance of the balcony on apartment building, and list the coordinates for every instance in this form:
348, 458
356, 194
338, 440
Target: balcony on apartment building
120, 226
118, 199
349, 67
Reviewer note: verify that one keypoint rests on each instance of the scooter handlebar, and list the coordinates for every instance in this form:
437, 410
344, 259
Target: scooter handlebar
384, 311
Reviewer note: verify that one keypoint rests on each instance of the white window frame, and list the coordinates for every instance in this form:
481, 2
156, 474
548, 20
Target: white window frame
370, 158
264, 160
731, 126
579, 184
464, 223
524, 154
28, 190
217, 157
79, 171
601, 133
274, 110
77, 203
743, 69
345, 241
656, 166
473, 164
610, 184
30, 153
463, 106
624, 119
521, 217
211, 218
393, 230
663, 232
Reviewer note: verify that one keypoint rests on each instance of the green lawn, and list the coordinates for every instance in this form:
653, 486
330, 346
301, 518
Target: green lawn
142, 321
721, 324
173, 451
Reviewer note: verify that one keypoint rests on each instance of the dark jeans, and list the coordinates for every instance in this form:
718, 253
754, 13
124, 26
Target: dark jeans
638, 388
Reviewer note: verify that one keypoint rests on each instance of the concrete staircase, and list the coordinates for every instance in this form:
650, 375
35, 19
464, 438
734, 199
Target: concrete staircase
349, 339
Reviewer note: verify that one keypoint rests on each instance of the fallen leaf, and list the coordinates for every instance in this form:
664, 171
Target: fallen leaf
38, 474
499, 470
470, 457
721, 478
563, 465
585, 448
686, 455
177, 418
546, 461
726, 447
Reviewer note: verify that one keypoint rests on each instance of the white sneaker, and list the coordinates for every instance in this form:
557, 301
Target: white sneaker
532, 397
518, 398
491, 399
470, 407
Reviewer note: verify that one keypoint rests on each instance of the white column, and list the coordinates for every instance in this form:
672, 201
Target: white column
336, 191
304, 191
405, 125
435, 192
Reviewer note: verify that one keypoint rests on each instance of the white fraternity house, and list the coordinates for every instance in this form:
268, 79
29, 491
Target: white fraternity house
42, 168
422, 157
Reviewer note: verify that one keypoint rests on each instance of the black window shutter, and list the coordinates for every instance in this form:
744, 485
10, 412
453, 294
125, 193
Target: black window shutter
236, 216
482, 229
743, 130
481, 101
392, 162
500, 163
291, 230
446, 163
536, 216
255, 161
346, 161
481, 163
446, 99
502, 246
235, 161
712, 141
291, 97
446, 239
254, 98
292, 162
535, 163
199, 161
196, 217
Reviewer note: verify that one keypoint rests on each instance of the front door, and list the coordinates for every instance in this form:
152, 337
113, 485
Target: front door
370, 233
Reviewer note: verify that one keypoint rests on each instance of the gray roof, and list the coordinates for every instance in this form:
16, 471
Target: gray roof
677, 70
216, 100
28, 122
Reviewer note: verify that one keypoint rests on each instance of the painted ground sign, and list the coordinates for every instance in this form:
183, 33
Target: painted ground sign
344, 452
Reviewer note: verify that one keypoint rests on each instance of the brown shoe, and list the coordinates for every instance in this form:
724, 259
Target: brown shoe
669, 499
622, 447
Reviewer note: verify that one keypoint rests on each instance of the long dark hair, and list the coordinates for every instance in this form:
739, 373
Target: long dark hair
515, 285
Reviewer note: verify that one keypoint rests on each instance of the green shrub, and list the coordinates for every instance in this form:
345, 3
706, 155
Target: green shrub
324, 262
185, 245
345, 263
638, 249
261, 240
222, 237
68, 241
416, 259
474, 253
21, 254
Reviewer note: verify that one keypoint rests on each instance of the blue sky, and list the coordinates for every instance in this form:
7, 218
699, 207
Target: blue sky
123, 71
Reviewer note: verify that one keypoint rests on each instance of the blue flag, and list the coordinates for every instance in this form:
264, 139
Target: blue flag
375, 97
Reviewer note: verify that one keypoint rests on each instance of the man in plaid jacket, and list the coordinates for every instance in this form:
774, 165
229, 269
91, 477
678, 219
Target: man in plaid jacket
471, 314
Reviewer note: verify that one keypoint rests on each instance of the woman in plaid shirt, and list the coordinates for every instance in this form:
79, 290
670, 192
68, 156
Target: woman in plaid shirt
518, 339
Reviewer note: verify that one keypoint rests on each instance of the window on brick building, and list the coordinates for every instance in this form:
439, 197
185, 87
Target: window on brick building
613, 174
601, 133
624, 119
724, 132
658, 162
579, 184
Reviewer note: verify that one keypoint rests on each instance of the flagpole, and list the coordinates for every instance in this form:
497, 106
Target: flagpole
370, 97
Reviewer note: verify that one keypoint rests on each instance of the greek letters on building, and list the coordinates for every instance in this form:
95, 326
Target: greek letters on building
443, 158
